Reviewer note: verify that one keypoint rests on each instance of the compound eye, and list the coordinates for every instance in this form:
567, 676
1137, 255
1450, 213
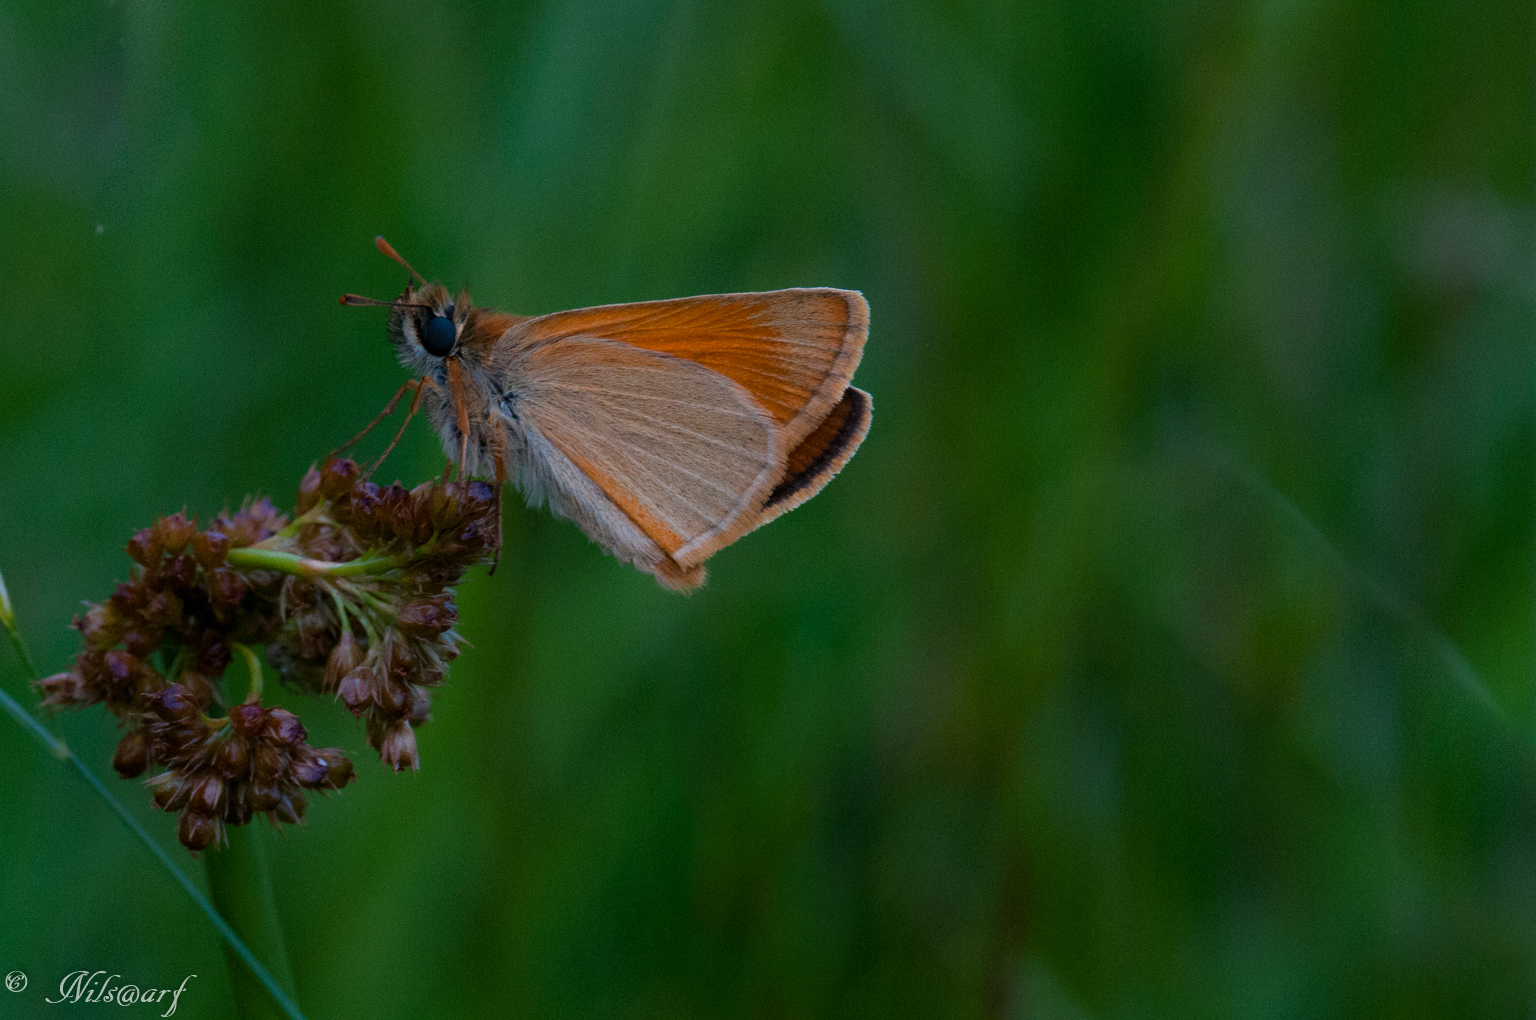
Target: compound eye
437, 336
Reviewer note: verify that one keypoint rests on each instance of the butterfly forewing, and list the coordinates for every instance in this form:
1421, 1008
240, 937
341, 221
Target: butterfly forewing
793, 350
681, 450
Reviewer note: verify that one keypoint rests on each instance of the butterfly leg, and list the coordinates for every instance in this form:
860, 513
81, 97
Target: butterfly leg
409, 414
456, 380
389, 409
501, 479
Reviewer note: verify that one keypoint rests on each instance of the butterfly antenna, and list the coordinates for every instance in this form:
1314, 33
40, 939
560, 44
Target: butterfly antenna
388, 249
358, 299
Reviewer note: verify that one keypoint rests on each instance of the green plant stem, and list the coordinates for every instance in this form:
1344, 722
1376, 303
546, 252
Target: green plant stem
253, 558
56, 747
341, 607
21, 650
241, 885
8, 620
316, 514
253, 696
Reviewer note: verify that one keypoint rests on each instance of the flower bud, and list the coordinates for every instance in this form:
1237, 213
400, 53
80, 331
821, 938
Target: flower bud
400, 660
181, 571
144, 547
465, 540
233, 758
164, 610
142, 641
344, 658
394, 698
337, 477
264, 515
430, 576
174, 704
253, 523
64, 689
195, 831
309, 769
446, 504
283, 727
421, 513
210, 548
226, 587
326, 768
268, 763
198, 687
356, 689
368, 511
101, 626
121, 668
237, 807
339, 771
375, 727
263, 795
132, 756
291, 808
174, 532
126, 598
426, 619
207, 795
175, 743
211, 656
420, 708
314, 634
309, 491
172, 793
398, 750
247, 720
401, 516
91, 664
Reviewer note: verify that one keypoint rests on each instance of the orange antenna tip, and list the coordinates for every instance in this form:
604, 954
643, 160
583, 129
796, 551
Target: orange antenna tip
388, 249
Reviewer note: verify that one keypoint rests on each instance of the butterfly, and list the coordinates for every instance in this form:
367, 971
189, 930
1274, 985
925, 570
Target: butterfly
665, 430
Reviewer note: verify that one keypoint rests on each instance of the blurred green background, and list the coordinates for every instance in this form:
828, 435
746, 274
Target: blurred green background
1166, 651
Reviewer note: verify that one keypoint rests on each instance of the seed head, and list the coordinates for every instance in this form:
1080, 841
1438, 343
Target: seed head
379, 638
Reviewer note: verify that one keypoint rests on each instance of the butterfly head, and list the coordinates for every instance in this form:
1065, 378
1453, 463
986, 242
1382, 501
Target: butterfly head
427, 326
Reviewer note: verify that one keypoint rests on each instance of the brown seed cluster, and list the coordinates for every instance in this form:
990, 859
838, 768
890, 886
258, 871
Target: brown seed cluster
378, 641
225, 771
184, 598
353, 597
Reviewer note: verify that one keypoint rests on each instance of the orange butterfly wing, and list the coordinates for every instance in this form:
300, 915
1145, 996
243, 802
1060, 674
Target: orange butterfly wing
793, 350
683, 452
820, 456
